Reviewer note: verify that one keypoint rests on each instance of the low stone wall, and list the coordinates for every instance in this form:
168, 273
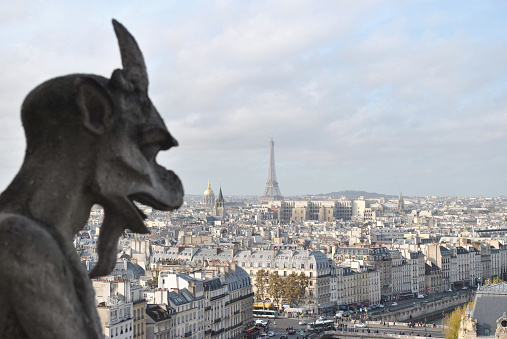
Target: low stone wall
357, 335
430, 310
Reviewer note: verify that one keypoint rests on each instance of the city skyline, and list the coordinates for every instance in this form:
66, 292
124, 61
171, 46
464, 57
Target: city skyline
372, 96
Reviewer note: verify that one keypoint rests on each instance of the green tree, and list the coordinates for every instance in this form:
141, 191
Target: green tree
452, 321
261, 285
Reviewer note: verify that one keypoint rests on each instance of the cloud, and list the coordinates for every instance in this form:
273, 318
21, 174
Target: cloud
375, 95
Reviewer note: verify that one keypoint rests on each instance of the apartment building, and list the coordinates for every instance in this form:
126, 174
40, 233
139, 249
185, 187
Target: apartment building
116, 317
441, 257
378, 258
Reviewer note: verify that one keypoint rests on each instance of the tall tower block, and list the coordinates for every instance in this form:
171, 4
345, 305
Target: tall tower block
272, 191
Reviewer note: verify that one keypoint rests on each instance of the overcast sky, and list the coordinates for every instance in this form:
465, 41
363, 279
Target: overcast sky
381, 96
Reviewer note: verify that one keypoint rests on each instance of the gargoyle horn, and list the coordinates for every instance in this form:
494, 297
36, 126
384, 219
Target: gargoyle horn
134, 68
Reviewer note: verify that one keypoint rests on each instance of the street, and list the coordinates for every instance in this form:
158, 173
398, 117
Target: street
388, 307
280, 324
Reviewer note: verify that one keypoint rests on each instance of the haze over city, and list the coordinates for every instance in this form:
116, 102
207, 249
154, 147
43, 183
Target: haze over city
380, 96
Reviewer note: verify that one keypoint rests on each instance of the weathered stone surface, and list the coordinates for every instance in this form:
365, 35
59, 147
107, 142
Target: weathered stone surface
90, 140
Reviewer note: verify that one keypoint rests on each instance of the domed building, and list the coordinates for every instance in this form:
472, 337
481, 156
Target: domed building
208, 198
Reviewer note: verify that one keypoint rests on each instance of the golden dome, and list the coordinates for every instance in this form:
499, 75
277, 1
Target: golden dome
209, 191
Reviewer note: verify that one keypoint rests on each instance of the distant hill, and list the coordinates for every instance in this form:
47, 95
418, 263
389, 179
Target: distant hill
356, 194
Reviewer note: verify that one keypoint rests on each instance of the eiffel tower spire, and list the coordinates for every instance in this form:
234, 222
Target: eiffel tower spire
272, 191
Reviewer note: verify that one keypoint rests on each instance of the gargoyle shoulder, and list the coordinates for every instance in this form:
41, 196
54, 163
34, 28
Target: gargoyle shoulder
24, 242
43, 283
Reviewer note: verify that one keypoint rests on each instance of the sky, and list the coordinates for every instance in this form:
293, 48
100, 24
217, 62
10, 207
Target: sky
380, 96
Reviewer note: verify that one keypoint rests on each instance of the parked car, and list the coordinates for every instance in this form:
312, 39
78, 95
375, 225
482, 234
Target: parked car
381, 305
360, 325
302, 322
464, 288
420, 296
394, 303
448, 290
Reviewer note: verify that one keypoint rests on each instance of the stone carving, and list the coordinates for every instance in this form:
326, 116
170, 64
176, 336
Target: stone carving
501, 327
468, 325
90, 140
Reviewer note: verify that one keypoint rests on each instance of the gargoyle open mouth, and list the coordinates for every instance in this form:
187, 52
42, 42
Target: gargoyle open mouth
122, 213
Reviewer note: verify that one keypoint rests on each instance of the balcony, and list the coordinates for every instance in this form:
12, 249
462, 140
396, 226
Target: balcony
188, 334
218, 297
217, 320
214, 333
242, 297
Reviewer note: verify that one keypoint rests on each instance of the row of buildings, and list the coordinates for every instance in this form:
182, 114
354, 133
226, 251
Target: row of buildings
178, 301
362, 275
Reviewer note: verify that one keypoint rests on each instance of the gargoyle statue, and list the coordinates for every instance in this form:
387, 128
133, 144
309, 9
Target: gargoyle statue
90, 140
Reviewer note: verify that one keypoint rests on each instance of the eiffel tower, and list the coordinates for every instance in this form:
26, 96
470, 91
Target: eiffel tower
272, 191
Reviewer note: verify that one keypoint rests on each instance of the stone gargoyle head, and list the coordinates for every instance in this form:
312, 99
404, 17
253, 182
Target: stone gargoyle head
111, 133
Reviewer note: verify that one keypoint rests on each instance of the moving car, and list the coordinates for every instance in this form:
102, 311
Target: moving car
283, 336
394, 303
271, 334
302, 322
360, 325
420, 296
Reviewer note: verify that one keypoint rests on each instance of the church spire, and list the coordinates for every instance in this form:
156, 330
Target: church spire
401, 203
220, 196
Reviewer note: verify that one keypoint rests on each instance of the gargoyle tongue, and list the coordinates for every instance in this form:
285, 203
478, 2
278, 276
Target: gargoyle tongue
116, 219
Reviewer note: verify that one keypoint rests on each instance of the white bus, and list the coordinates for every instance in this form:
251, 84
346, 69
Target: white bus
265, 314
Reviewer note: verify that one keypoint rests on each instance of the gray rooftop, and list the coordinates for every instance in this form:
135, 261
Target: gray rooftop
490, 304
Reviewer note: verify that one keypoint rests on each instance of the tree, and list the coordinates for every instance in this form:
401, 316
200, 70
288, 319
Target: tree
495, 280
275, 288
261, 285
302, 283
452, 321
291, 288
295, 287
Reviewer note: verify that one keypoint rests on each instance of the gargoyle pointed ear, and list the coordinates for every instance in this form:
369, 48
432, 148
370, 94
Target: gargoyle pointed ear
131, 57
95, 105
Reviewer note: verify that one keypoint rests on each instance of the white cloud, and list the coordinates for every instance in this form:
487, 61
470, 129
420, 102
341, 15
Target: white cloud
379, 96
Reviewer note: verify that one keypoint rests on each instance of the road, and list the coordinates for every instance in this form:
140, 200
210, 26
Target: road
279, 326
404, 329
410, 302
